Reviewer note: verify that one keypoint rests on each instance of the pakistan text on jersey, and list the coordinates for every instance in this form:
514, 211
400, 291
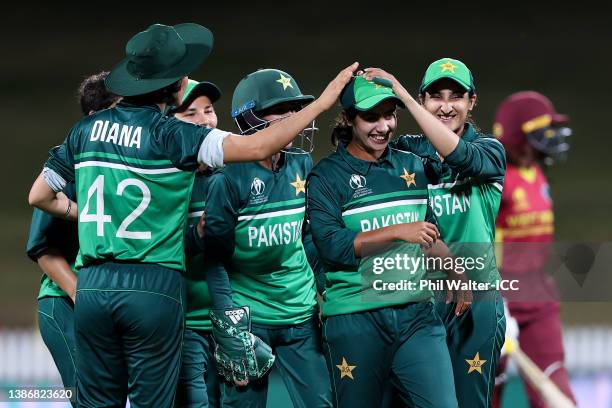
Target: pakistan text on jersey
387, 220
124, 135
275, 234
450, 203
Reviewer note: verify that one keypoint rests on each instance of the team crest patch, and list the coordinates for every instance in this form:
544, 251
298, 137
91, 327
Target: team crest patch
346, 370
409, 178
299, 184
475, 364
519, 199
285, 82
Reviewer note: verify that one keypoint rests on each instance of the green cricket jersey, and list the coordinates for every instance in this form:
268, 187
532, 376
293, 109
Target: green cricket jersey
198, 297
466, 195
254, 219
133, 168
347, 196
47, 231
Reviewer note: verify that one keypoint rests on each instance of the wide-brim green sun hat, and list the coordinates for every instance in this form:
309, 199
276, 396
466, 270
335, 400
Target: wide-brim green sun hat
159, 56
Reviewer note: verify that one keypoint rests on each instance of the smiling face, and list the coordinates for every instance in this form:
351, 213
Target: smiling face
200, 112
450, 103
372, 130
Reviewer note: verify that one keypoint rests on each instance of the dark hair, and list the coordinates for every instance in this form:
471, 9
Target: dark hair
93, 95
342, 131
164, 95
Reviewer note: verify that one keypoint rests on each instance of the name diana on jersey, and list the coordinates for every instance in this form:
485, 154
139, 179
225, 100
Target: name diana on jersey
124, 135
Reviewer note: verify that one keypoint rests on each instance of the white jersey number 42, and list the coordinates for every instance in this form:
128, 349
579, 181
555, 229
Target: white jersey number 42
97, 188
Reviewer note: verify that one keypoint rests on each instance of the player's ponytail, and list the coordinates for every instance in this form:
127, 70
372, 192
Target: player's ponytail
343, 130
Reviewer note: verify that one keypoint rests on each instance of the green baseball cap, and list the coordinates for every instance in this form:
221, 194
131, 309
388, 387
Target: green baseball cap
159, 56
265, 88
451, 69
196, 89
363, 95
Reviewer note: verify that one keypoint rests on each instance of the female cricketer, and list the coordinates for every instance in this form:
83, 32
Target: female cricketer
198, 384
532, 132
469, 169
53, 244
368, 193
133, 169
254, 221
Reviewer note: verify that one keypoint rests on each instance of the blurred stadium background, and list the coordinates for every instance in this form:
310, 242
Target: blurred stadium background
560, 52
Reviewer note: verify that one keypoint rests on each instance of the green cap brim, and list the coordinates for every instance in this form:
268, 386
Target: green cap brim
202, 89
374, 100
198, 43
426, 85
272, 102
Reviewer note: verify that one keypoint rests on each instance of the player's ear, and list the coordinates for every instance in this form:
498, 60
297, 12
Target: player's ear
472, 104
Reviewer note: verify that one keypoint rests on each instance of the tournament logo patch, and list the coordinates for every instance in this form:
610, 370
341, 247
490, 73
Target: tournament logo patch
475, 364
346, 370
357, 181
545, 192
257, 187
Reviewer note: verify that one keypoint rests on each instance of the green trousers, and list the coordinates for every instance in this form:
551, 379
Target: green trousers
129, 328
300, 363
56, 325
403, 347
474, 342
199, 385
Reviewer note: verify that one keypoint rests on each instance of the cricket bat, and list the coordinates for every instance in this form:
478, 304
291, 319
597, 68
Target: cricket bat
547, 389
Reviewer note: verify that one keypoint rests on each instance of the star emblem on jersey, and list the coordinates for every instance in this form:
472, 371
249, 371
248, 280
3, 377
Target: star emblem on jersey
409, 177
346, 370
285, 82
299, 184
448, 66
475, 364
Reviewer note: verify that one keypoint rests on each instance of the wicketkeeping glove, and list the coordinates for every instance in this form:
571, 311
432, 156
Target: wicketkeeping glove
240, 355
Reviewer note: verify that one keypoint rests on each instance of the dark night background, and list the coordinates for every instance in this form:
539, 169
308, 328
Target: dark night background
563, 53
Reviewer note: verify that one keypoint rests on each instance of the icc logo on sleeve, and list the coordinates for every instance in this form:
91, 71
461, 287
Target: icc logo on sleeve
357, 181
257, 186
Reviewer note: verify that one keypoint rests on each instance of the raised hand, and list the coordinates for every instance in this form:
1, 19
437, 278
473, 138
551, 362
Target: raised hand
398, 88
334, 88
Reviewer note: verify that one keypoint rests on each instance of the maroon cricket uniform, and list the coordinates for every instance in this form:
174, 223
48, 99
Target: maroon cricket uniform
525, 226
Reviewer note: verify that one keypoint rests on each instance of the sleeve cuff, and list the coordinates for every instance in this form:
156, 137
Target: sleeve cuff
211, 149
53, 179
